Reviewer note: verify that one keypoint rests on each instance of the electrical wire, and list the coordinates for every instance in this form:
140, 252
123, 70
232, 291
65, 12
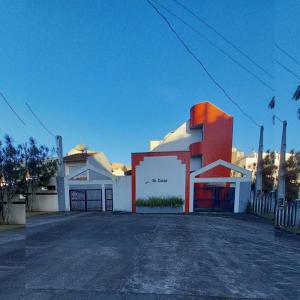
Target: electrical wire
287, 69
12, 109
287, 54
224, 38
201, 64
37, 118
214, 45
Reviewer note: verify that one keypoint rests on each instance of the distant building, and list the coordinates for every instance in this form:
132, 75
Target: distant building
249, 161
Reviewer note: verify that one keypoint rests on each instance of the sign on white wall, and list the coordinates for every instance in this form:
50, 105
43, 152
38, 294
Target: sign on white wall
160, 176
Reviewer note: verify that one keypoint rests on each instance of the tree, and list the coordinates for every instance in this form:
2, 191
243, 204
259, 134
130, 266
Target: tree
268, 171
10, 168
38, 167
292, 183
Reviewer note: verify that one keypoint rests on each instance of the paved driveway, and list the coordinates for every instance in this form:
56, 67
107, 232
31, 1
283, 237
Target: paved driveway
108, 256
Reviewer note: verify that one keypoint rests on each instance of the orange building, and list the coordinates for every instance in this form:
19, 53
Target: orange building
204, 139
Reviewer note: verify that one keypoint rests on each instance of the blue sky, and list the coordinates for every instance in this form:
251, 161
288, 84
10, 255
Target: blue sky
111, 75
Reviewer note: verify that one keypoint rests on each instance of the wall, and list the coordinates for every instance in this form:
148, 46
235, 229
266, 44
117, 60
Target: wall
217, 136
244, 196
122, 194
161, 174
17, 213
45, 202
179, 140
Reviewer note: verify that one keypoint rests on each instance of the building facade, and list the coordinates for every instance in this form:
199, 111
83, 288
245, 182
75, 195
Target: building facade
191, 166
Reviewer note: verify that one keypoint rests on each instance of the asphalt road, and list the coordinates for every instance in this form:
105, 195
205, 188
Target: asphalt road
108, 256
12, 264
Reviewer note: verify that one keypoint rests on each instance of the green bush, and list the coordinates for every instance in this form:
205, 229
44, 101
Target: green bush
160, 202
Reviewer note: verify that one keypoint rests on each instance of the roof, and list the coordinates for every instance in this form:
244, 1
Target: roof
78, 157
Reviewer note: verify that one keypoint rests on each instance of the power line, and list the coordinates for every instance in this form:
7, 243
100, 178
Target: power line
224, 38
37, 118
12, 109
287, 54
214, 45
201, 64
287, 69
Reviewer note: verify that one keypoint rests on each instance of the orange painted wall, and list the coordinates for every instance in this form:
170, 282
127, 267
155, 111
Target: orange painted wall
217, 136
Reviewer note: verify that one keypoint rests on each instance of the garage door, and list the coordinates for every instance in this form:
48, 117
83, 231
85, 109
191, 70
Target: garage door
86, 200
216, 198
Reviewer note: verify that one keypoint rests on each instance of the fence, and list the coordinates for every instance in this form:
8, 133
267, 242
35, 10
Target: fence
265, 204
288, 215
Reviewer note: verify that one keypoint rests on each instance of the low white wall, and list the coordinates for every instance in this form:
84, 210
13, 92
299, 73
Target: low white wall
17, 211
45, 202
17, 214
122, 194
244, 196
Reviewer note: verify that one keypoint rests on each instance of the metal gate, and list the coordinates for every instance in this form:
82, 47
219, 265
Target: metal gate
108, 199
213, 198
86, 200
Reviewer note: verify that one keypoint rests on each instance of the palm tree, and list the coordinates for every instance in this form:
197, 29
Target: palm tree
296, 95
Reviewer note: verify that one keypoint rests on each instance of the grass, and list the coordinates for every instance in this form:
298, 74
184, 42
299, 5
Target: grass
4, 227
160, 202
292, 229
30, 214
269, 216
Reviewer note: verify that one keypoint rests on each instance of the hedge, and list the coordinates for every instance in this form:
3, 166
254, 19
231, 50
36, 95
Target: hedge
160, 202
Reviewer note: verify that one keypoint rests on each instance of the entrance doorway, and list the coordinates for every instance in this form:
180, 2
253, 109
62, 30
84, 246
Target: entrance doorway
213, 197
86, 200
108, 199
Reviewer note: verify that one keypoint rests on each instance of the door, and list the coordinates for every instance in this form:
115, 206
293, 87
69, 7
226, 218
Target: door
77, 200
93, 200
215, 198
85, 200
108, 199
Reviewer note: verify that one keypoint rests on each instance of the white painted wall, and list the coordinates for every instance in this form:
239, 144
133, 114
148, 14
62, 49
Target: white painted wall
45, 202
122, 194
17, 214
244, 196
180, 139
151, 173
195, 163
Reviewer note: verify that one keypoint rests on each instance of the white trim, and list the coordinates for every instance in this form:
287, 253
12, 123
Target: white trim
223, 163
90, 167
236, 180
236, 196
103, 196
85, 182
221, 179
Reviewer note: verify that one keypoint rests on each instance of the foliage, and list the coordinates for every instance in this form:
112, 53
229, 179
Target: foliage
296, 95
268, 171
10, 170
37, 168
160, 202
22, 168
249, 208
292, 168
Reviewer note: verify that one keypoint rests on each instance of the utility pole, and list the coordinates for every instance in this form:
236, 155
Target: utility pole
281, 173
60, 175
259, 167
281, 176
